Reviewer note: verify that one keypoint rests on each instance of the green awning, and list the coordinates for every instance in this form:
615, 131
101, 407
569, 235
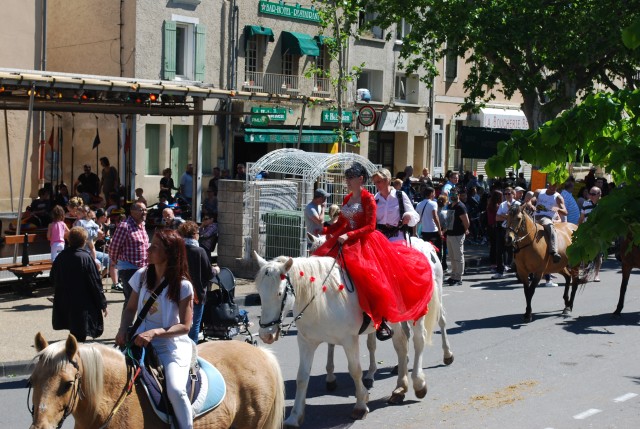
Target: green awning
290, 136
256, 30
321, 40
299, 44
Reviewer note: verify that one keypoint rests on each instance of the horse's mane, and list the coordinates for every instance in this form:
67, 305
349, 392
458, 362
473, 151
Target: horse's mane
53, 358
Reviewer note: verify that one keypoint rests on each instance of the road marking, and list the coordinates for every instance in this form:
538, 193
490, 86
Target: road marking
625, 397
590, 412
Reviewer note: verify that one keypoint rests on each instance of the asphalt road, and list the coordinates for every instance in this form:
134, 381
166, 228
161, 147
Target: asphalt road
580, 371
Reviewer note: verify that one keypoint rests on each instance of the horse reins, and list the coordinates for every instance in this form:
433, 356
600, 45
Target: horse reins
73, 400
516, 231
290, 290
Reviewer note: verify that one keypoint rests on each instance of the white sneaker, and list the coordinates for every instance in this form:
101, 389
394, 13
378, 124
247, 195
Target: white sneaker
549, 284
498, 276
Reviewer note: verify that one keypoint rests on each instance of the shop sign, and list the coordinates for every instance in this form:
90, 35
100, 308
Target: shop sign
394, 121
290, 138
288, 11
259, 120
332, 116
274, 113
367, 116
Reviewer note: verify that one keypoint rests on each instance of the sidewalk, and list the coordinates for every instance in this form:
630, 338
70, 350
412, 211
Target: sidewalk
22, 317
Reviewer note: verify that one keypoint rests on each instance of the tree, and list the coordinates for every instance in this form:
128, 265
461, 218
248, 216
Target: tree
606, 127
550, 51
339, 23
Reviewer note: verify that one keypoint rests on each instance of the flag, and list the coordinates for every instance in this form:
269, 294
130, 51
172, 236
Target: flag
50, 141
127, 141
96, 141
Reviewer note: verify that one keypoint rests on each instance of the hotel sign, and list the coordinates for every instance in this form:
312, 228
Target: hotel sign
274, 113
288, 11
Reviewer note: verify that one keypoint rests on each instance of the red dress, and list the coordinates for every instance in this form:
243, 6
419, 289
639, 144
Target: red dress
393, 281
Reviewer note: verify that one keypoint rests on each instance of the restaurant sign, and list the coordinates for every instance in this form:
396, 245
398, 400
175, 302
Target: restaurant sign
288, 11
332, 116
274, 113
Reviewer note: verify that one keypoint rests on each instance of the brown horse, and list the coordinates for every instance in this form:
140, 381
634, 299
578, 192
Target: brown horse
630, 259
531, 255
87, 380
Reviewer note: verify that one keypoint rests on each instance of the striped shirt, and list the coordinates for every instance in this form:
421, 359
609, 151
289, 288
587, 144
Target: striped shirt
587, 208
130, 243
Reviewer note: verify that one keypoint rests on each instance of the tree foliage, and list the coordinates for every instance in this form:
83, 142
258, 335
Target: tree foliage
550, 51
606, 127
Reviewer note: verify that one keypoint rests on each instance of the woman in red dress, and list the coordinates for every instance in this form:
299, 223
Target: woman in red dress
394, 281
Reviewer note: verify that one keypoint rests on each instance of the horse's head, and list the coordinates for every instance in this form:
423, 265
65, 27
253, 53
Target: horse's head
515, 222
276, 295
316, 241
56, 381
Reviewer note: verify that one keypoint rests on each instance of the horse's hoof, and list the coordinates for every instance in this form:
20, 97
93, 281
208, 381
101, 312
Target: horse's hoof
421, 393
368, 383
397, 398
332, 385
359, 414
566, 311
617, 313
394, 371
448, 360
527, 318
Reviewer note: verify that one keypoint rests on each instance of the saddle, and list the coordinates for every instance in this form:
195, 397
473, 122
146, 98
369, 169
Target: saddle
206, 387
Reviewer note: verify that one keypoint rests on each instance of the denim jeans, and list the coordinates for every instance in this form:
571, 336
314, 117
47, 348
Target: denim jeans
198, 309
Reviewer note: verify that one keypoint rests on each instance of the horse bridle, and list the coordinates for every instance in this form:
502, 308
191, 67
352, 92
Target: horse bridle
73, 400
288, 290
518, 229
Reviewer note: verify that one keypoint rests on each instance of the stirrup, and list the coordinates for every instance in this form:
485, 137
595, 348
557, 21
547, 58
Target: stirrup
384, 331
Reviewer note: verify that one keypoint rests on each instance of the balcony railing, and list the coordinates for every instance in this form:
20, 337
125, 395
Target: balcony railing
286, 84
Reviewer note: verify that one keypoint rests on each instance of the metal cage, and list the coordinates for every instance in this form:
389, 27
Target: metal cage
278, 187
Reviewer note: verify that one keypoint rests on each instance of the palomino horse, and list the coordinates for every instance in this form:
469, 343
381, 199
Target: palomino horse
531, 255
329, 312
630, 258
87, 380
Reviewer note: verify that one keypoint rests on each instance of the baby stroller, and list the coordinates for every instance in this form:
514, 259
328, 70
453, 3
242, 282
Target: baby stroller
222, 319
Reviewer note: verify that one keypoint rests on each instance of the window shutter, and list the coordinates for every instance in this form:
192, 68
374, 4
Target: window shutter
169, 68
201, 32
452, 145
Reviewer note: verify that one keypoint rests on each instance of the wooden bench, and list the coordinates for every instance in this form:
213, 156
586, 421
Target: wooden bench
26, 271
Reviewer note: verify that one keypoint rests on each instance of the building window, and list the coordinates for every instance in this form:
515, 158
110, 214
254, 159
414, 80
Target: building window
321, 82
451, 66
402, 29
372, 80
152, 149
374, 32
401, 88
251, 62
184, 51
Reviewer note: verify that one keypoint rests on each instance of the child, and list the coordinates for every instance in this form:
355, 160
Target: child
57, 232
139, 197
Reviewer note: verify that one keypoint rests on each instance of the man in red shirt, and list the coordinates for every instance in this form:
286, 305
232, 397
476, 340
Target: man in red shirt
129, 247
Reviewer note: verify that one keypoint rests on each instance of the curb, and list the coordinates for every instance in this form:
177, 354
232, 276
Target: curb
15, 369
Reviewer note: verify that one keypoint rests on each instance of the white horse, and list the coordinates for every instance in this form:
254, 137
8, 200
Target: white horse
331, 313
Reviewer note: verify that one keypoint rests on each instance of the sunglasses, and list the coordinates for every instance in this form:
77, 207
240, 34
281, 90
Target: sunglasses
593, 194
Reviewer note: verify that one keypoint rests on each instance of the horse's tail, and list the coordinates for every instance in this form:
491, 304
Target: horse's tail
588, 273
275, 418
432, 317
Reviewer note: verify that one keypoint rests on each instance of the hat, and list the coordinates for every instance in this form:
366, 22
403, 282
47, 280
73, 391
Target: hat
99, 212
519, 189
321, 193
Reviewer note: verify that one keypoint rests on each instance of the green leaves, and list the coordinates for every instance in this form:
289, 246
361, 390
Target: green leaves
631, 35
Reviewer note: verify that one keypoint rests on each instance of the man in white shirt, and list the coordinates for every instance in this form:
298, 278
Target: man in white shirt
430, 221
314, 211
389, 219
505, 255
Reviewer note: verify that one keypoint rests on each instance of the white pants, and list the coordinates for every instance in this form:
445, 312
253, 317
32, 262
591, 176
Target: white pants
55, 249
176, 381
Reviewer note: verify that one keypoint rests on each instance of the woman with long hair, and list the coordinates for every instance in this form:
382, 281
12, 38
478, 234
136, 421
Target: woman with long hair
393, 281
166, 325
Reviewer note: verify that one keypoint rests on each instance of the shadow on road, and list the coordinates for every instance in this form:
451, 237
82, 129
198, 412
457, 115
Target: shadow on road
598, 323
13, 384
513, 321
